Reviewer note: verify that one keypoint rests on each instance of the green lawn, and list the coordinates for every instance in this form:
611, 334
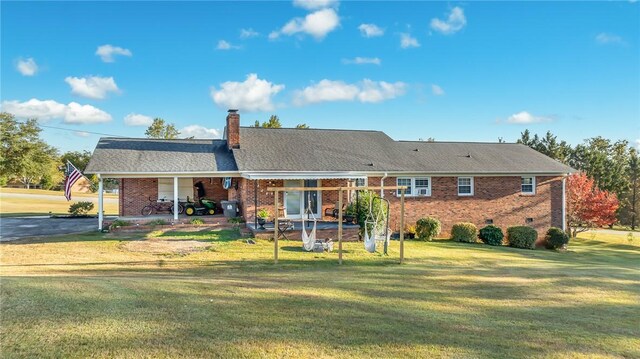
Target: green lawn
88, 295
18, 202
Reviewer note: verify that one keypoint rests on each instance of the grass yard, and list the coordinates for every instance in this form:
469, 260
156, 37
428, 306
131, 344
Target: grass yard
89, 295
23, 202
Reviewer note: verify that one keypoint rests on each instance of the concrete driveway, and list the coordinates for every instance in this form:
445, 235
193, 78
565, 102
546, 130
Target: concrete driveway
24, 227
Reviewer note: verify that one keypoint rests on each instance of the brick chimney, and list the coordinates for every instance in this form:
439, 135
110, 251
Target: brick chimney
232, 130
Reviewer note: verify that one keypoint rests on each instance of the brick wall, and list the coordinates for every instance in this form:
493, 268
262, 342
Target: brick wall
135, 192
496, 198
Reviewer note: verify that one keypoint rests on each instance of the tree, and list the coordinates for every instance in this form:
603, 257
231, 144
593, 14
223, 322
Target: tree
80, 159
160, 129
605, 162
628, 213
302, 125
548, 145
587, 205
24, 156
273, 122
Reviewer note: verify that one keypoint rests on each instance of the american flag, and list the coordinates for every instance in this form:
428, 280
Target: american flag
72, 176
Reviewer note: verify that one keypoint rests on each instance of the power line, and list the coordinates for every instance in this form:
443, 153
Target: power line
72, 130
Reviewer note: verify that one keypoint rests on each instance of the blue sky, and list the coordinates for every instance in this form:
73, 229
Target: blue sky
468, 71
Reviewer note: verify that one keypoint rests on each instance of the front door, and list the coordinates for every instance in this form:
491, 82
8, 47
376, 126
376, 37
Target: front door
297, 202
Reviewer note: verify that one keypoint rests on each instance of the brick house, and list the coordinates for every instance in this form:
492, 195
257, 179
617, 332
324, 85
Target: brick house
501, 183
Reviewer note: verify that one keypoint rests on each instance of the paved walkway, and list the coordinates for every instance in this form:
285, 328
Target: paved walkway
22, 227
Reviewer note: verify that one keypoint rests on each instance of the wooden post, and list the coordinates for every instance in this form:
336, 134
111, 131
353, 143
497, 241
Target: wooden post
401, 225
340, 226
275, 228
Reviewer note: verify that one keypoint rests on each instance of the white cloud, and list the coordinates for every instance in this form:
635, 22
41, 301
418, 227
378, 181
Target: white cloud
248, 33
454, 22
437, 90
136, 119
107, 52
315, 4
254, 94
638, 143
370, 30
406, 41
362, 61
224, 45
81, 133
92, 87
197, 131
525, 117
27, 67
49, 109
604, 38
364, 91
317, 24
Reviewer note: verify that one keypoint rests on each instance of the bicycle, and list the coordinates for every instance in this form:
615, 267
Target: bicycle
160, 205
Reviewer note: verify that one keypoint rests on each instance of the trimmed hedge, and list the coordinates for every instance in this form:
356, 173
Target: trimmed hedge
464, 232
491, 235
427, 228
556, 238
522, 237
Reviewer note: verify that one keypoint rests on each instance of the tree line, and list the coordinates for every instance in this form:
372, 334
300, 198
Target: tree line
611, 165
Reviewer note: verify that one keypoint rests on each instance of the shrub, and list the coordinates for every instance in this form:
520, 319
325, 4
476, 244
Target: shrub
264, 213
80, 208
196, 221
428, 228
119, 223
236, 220
409, 231
491, 235
157, 222
556, 238
522, 237
464, 232
360, 209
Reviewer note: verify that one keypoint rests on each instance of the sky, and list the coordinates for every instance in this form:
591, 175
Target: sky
452, 71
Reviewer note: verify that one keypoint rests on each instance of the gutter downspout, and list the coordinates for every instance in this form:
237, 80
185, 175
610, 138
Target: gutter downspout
564, 203
382, 185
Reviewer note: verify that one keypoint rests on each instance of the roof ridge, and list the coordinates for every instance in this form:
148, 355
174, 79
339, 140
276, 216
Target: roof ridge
312, 129
161, 139
468, 142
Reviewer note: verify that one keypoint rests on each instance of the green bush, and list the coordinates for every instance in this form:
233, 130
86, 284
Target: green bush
80, 208
491, 235
427, 228
464, 232
360, 209
236, 220
157, 222
119, 223
522, 237
556, 238
196, 221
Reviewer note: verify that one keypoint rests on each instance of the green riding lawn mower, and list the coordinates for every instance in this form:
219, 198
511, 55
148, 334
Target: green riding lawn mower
202, 206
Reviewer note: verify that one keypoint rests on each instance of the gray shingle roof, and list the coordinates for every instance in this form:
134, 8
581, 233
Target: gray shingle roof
473, 157
316, 150
141, 155
289, 149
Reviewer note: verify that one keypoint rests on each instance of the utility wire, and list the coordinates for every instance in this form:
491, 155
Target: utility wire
72, 130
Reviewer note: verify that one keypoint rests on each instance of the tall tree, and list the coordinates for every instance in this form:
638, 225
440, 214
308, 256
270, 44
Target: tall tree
605, 162
160, 129
630, 203
548, 145
587, 205
273, 122
24, 156
302, 125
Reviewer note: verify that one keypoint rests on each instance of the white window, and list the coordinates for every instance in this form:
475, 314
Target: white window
528, 185
465, 186
405, 182
422, 186
165, 189
416, 186
361, 182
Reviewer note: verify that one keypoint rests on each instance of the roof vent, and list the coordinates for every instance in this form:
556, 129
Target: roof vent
231, 110
370, 164
468, 155
416, 150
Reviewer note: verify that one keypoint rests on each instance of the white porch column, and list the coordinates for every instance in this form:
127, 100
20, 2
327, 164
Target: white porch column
175, 198
564, 203
100, 202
